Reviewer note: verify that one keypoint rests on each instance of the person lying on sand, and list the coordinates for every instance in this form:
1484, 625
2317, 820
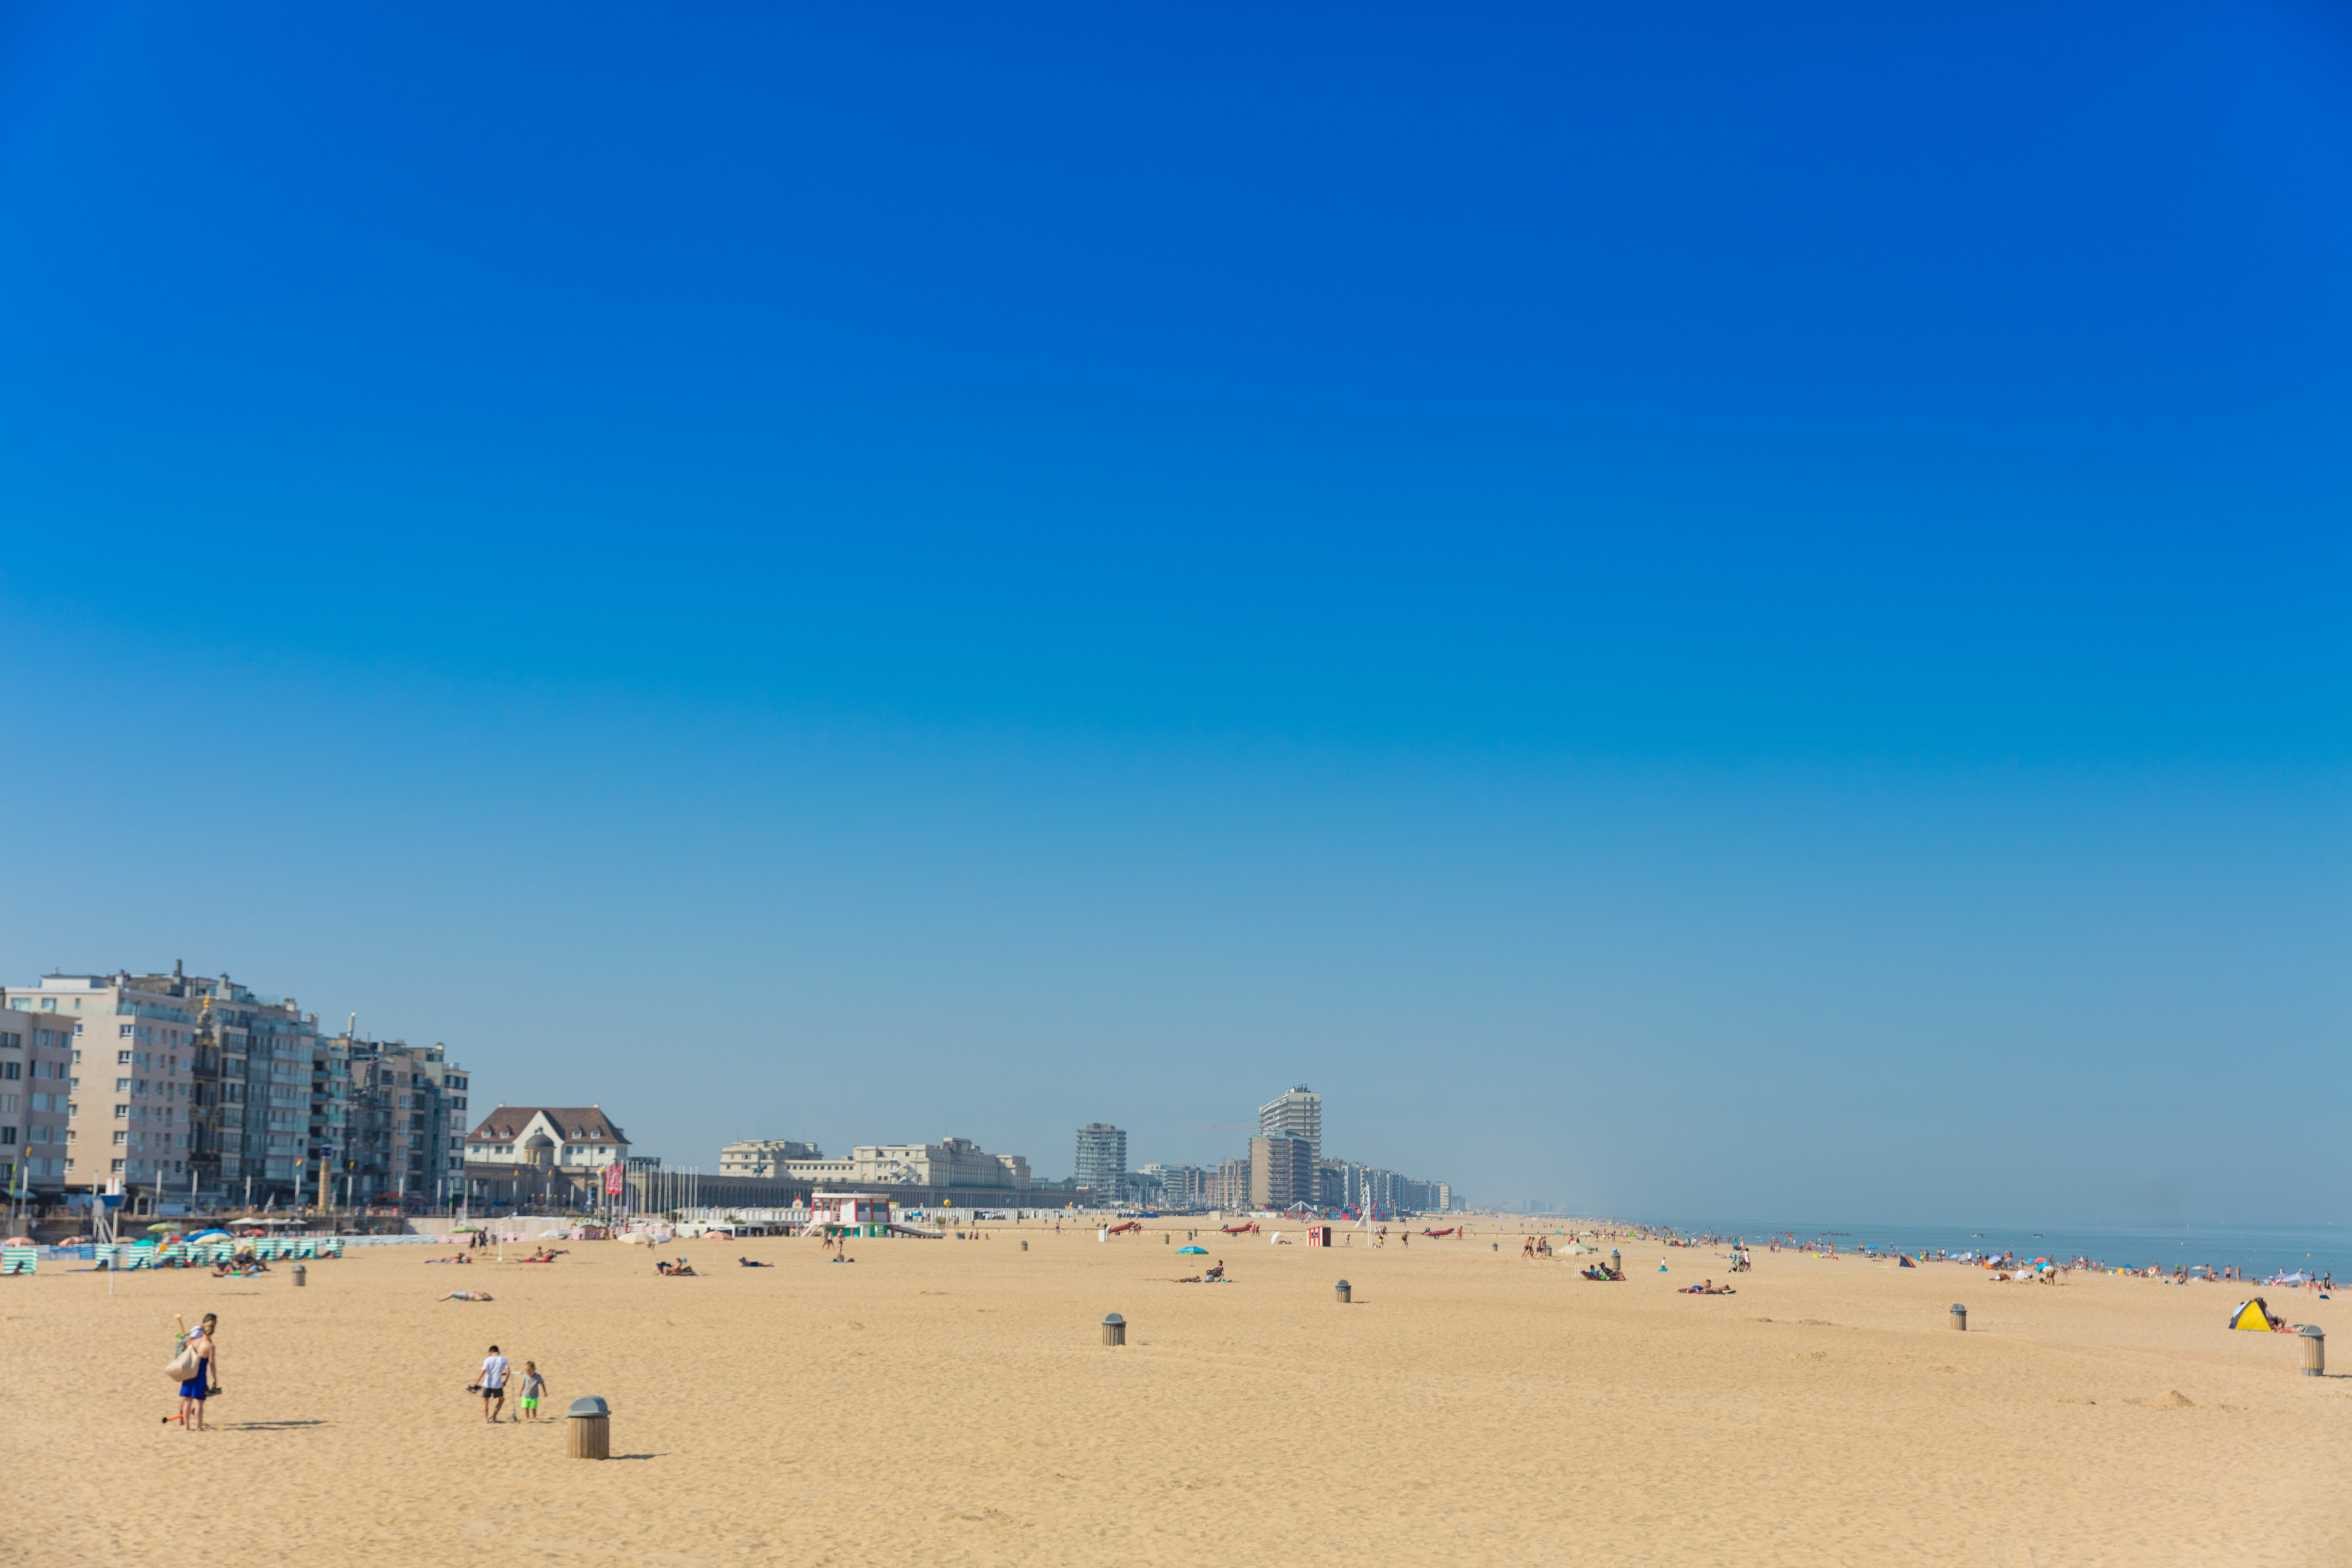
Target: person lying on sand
674, 1270
749, 1264
465, 1296
1707, 1288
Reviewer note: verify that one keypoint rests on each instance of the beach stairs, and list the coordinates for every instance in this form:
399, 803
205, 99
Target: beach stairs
897, 1229
20, 1260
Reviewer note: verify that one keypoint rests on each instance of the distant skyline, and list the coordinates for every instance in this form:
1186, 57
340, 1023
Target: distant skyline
1690, 611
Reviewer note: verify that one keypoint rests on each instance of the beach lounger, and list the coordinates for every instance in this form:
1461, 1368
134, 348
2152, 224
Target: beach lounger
20, 1259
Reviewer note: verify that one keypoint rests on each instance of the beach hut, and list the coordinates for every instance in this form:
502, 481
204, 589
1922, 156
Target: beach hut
855, 1213
2255, 1315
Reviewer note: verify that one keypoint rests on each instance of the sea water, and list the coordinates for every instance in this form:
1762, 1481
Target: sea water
2259, 1250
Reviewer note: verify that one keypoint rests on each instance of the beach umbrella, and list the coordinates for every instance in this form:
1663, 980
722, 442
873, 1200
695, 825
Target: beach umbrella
210, 1236
167, 1225
1202, 1251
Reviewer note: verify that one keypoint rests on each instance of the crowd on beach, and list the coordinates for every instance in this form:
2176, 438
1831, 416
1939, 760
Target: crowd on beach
2005, 1265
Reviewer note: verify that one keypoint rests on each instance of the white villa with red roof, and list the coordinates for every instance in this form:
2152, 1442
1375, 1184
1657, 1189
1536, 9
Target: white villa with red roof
521, 1154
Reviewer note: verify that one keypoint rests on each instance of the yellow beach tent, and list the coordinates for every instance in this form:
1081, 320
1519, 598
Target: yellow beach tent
2251, 1314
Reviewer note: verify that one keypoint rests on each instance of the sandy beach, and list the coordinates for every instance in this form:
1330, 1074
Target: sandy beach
949, 1402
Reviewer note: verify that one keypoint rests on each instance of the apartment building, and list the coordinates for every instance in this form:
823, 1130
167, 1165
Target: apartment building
1282, 1172
1331, 1184
1296, 1114
1370, 1188
37, 1084
257, 1080
131, 1047
1102, 1159
196, 1084
765, 1157
1229, 1184
389, 1119
955, 1163
1180, 1186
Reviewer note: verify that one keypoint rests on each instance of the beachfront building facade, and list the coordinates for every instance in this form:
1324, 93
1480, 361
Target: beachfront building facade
130, 1047
37, 1097
553, 1154
1229, 1184
389, 1119
766, 1157
954, 1172
193, 1087
952, 1164
1370, 1188
1180, 1186
1298, 1114
256, 1089
1102, 1158
1281, 1173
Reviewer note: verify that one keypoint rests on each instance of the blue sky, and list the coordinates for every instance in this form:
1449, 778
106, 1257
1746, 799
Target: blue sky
1689, 610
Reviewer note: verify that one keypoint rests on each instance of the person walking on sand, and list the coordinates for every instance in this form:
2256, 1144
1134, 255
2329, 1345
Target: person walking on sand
534, 1389
199, 1385
493, 1385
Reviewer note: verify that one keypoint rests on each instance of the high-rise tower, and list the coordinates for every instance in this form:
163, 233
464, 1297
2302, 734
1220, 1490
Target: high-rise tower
1102, 1159
1297, 1115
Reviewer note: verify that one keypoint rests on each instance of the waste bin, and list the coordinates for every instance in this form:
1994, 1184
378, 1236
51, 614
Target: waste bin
592, 1428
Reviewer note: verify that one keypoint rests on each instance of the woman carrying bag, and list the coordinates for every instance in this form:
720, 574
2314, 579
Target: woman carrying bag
197, 1368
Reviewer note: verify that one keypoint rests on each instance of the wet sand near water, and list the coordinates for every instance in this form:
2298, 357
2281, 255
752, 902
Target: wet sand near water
949, 1402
